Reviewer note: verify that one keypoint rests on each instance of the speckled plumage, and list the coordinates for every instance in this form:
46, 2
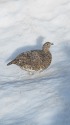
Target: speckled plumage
34, 59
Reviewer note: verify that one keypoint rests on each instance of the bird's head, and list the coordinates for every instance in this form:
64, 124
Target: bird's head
46, 46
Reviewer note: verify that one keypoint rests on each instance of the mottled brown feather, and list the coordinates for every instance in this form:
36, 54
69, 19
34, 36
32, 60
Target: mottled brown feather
34, 59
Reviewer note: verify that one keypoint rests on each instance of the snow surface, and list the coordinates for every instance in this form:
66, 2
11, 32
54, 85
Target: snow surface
39, 99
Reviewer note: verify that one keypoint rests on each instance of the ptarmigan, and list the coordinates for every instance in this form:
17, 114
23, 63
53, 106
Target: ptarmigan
34, 60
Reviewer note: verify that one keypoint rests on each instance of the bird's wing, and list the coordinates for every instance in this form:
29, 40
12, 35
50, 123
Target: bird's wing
28, 58
23, 57
35, 56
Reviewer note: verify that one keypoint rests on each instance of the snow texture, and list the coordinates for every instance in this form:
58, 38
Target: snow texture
39, 99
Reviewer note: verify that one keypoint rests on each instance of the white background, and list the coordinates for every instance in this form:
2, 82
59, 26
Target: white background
41, 99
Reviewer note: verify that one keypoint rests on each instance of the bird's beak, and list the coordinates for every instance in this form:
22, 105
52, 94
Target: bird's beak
52, 44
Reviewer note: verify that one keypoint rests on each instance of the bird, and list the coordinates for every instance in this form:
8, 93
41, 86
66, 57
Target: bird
34, 60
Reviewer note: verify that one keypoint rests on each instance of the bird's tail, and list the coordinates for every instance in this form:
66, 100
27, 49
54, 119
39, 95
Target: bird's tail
12, 62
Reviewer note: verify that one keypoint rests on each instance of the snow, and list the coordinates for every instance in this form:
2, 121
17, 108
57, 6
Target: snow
39, 99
